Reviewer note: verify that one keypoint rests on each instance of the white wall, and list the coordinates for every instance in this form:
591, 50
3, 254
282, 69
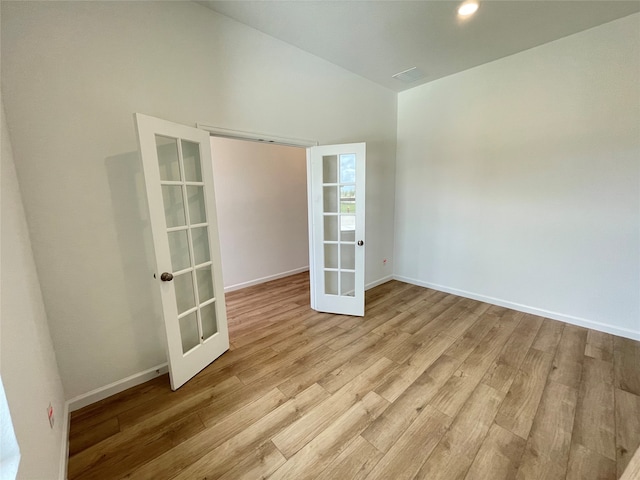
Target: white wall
261, 201
73, 73
518, 181
27, 359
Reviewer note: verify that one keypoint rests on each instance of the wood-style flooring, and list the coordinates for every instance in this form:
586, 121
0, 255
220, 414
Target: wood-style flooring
426, 386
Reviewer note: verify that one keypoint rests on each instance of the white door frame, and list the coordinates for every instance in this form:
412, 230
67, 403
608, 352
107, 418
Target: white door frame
288, 141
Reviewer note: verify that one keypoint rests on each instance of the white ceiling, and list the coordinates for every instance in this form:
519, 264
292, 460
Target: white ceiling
376, 39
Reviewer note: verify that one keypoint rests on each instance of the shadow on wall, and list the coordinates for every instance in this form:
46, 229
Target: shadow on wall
135, 242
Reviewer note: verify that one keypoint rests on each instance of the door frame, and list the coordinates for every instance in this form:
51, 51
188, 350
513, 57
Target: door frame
290, 142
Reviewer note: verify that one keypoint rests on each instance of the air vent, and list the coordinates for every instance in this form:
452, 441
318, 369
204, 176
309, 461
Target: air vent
410, 75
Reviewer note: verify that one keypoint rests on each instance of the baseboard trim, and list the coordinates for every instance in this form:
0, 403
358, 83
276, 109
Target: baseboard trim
581, 322
258, 281
116, 387
380, 281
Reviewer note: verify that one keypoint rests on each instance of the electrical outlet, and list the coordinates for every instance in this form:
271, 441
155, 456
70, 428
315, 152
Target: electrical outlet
50, 415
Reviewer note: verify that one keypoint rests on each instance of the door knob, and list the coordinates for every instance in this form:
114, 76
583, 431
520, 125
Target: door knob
360, 243
166, 277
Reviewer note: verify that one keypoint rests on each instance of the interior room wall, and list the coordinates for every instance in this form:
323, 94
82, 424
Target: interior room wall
73, 74
517, 181
27, 359
261, 202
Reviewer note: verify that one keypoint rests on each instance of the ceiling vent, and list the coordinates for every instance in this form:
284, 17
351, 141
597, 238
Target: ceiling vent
410, 75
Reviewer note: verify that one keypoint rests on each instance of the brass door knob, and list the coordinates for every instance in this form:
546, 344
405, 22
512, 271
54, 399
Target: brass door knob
166, 277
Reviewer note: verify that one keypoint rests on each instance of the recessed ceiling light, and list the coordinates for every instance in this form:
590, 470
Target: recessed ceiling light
467, 8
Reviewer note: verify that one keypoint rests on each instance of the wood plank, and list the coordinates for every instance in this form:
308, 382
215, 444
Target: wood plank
567, 363
498, 456
599, 345
339, 377
501, 374
521, 403
154, 414
460, 386
393, 422
427, 310
456, 451
299, 433
230, 453
260, 463
549, 336
83, 439
585, 464
297, 382
547, 450
113, 458
406, 456
309, 351
594, 425
96, 413
422, 359
626, 360
354, 462
198, 445
316, 455
406, 407
627, 408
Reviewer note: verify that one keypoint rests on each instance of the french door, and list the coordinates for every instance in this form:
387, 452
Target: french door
336, 212
178, 175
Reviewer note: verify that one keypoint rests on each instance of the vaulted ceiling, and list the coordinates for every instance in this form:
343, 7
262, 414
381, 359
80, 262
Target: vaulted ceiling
376, 39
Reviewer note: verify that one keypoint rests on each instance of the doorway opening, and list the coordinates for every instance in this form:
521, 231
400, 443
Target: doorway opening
261, 201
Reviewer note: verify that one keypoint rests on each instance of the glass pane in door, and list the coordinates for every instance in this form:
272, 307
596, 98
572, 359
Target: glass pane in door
191, 161
348, 256
189, 332
200, 239
173, 206
348, 199
179, 249
331, 283
205, 284
209, 321
347, 284
331, 199
184, 292
348, 168
331, 255
168, 161
197, 211
331, 228
330, 169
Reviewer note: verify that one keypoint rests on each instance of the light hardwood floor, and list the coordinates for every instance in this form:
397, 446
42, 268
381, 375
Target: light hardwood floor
426, 386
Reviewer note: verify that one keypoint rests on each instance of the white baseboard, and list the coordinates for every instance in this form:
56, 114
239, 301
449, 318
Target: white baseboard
116, 387
581, 322
258, 281
66, 426
380, 281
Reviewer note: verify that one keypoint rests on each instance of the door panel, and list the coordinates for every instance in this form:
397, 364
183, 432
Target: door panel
179, 182
337, 208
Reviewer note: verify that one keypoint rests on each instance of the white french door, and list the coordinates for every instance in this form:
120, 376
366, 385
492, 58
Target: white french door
336, 227
178, 176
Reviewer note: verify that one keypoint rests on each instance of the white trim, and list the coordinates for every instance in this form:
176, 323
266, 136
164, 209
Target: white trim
258, 281
581, 322
380, 281
66, 428
116, 387
256, 137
